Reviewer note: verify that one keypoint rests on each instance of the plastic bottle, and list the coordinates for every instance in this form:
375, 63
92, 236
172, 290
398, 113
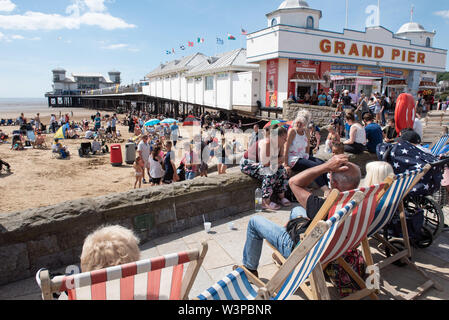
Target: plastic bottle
258, 200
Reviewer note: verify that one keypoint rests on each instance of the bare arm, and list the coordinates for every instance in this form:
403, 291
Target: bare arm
290, 138
301, 181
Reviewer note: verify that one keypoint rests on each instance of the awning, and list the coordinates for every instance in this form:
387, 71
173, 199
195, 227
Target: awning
306, 77
428, 85
397, 84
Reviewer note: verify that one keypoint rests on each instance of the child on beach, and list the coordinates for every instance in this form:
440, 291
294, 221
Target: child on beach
156, 171
338, 148
139, 167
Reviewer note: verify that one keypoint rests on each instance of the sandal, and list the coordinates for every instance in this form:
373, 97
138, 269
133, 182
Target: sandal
285, 202
272, 207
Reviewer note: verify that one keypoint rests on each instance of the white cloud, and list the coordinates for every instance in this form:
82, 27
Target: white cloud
443, 13
17, 37
79, 13
115, 46
7, 6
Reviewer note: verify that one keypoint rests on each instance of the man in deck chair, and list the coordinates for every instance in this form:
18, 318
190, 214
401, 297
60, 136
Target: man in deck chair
344, 176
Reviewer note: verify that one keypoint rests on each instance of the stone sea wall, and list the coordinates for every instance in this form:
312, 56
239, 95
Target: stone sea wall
52, 237
321, 115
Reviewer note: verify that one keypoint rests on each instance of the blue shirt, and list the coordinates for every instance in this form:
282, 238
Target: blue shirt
374, 136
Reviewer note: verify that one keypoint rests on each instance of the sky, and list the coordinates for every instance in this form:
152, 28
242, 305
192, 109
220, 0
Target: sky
132, 36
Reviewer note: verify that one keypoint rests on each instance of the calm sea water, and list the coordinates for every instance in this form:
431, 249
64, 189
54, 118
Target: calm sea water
22, 104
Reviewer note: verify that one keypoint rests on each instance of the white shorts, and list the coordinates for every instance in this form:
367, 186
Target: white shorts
146, 164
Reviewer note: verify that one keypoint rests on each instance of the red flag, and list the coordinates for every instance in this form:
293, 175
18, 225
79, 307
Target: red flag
191, 44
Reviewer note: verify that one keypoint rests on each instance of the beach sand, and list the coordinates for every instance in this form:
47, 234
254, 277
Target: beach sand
39, 180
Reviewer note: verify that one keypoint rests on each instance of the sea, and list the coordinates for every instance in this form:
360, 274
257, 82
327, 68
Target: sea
22, 104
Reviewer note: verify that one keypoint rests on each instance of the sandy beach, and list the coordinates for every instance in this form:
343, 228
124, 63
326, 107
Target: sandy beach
39, 180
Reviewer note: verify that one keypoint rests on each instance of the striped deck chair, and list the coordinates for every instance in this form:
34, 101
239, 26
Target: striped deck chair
387, 207
161, 278
349, 236
438, 146
295, 270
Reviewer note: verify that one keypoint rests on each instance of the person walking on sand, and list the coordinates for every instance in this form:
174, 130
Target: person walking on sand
139, 171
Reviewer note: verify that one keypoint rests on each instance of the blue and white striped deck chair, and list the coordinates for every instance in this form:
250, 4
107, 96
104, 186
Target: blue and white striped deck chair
387, 207
285, 282
435, 150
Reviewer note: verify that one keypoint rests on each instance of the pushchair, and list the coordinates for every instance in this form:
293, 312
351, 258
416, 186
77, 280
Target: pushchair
425, 217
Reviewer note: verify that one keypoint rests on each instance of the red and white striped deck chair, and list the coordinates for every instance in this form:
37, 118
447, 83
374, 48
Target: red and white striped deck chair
295, 270
349, 235
161, 278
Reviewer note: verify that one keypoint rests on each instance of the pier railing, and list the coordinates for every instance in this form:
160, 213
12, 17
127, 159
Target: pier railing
115, 90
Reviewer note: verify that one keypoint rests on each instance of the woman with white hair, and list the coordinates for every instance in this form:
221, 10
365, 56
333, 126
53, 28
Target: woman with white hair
376, 173
108, 247
297, 148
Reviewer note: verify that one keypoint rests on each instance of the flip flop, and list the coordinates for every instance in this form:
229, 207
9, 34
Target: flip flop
286, 203
272, 207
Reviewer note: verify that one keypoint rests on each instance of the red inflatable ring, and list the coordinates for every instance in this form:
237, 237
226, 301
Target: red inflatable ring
405, 112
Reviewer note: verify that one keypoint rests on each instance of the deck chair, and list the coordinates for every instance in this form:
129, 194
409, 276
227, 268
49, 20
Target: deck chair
295, 270
349, 235
387, 207
153, 279
438, 146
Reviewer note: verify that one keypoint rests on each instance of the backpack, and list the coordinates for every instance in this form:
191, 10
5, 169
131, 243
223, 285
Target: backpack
296, 227
341, 279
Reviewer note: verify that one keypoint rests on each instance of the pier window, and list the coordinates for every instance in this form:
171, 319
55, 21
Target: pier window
428, 42
274, 22
310, 23
209, 83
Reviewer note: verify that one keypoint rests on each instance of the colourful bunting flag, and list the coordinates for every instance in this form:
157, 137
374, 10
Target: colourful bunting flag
168, 52
230, 37
173, 50
244, 32
220, 41
200, 40
182, 47
191, 44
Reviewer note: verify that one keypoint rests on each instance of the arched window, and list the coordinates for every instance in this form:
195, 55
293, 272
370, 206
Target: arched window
274, 22
310, 23
428, 42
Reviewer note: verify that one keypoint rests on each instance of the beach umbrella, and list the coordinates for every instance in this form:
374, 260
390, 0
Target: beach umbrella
273, 123
152, 122
169, 121
191, 121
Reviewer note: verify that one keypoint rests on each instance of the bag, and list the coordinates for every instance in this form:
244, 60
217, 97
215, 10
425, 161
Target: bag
341, 279
296, 227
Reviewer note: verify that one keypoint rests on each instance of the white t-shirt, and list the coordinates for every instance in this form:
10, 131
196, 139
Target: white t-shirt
89, 134
146, 150
156, 170
360, 136
418, 127
298, 149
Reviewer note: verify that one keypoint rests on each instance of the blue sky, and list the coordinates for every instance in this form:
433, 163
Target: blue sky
133, 35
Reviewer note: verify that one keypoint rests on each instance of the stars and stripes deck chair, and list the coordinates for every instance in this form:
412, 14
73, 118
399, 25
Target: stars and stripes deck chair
349, 235
295, 270
161, 278
386, 209
438, 146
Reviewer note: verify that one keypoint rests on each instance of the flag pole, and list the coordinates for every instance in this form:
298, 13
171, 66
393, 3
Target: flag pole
347, 13
378, 12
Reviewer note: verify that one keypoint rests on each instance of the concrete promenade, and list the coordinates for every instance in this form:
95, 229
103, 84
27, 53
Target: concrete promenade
226, 247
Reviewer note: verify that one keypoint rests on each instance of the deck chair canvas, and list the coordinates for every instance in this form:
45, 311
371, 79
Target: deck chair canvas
438, 146
161, 278
387, 207
295, 270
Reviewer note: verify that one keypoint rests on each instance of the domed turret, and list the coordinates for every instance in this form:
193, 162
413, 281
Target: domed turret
295, 13
289, 4
416, 33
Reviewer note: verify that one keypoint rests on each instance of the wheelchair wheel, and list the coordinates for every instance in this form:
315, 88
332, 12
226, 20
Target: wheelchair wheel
433, 214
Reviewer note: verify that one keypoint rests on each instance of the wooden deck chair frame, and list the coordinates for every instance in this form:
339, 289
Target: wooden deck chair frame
317, 288
196, 258
405, 255
435, 153
274, 285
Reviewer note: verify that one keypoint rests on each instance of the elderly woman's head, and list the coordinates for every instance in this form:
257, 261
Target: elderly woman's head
376, 173
109, 246
302, 120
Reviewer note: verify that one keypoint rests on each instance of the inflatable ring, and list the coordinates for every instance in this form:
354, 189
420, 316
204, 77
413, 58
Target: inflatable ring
405, 112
